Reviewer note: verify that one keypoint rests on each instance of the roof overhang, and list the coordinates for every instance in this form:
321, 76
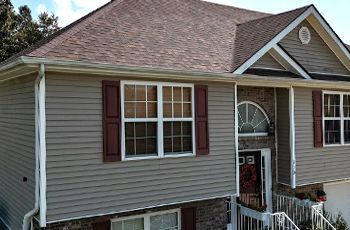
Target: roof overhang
26, 65
322, 28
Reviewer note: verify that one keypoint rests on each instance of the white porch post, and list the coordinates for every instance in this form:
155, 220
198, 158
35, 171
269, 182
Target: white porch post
292, 138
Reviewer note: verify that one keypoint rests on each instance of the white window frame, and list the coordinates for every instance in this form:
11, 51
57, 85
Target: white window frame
341, 118
147, 218
259, 134
160, 119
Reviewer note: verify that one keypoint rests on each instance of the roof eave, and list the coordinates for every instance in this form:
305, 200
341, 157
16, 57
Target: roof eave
27, 64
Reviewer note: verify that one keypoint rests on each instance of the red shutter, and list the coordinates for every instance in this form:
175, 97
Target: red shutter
111, 121
189, 218
105, 225
318, 129
202, 131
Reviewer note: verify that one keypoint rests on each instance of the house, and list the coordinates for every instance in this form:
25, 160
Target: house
158, 114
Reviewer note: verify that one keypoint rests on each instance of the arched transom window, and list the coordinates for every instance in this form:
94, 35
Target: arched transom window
252, 120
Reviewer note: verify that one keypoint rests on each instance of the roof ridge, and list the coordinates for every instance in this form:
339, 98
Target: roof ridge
273, 15
234, 7
74, 26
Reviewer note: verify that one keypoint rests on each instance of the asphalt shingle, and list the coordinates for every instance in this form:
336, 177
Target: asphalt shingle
178, 34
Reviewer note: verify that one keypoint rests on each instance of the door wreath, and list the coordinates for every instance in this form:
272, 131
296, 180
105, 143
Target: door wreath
248, 176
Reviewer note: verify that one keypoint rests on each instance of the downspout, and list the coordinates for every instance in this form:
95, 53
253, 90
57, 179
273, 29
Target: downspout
28, 217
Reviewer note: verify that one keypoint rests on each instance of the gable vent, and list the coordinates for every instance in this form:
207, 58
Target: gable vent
304, 35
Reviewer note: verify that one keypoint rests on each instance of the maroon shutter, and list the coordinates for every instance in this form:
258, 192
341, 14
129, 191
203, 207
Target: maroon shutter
111, 121
188, 218
202, 132
318, 129
105, 225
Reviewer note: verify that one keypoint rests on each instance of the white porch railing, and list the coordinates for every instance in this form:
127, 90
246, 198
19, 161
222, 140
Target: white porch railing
303, 212
249, 219
318, 220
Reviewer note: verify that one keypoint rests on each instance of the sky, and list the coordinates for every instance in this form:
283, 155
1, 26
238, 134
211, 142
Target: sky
336, 12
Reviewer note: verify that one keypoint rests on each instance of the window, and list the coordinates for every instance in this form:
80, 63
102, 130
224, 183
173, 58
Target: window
158, 120
252, 120
169, 220
336, 118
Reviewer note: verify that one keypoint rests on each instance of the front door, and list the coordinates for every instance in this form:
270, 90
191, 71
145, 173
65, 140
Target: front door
255, 179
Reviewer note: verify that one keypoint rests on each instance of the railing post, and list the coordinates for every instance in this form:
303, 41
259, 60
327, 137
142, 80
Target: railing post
234, 223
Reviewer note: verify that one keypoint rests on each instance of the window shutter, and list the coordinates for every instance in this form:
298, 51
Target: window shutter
111, 121
317, 112
105, 225
202, 131
189, 218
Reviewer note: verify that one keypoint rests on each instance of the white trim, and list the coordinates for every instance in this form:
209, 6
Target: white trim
276, 133
330, 74
287, 62
42, 143
159, 119
2, 220
325, 181
269, 68
28, 217
292, 138
253, 134
310, 11
337, 182
236, 139
146, 218
266, 153
138, 209
333, 36
273, 42
258, 134
341, 118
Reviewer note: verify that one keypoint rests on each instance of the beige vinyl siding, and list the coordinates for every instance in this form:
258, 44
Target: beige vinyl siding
267, 61
17, 149
315, 56
78, 182
283, 132
315, 164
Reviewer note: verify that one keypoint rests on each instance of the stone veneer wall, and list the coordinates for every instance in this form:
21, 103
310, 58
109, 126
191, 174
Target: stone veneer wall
210, 215
265, 98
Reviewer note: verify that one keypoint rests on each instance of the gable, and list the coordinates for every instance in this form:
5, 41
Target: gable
267, 62
315, 57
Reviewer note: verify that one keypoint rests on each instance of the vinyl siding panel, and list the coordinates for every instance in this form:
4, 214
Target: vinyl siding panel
315, 164
267, 61
17, 149
78, 182
315, 56
283, 132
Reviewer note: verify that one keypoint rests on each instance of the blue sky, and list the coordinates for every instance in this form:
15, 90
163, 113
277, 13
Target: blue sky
336, 12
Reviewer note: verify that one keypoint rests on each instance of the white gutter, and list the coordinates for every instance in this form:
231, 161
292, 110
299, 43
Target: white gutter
292, 138
40, 152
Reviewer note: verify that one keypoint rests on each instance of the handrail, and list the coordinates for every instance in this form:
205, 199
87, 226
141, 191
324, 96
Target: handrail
252, 219
290, 223
318, 220
302, 211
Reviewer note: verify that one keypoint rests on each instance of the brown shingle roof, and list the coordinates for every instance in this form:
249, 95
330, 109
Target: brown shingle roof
253, 35
177, 34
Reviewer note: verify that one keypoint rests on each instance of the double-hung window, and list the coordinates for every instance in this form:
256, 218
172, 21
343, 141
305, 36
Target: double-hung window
336, 118
169, 220
157, 119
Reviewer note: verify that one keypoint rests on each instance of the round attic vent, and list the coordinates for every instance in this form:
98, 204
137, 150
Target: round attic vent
304, 35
